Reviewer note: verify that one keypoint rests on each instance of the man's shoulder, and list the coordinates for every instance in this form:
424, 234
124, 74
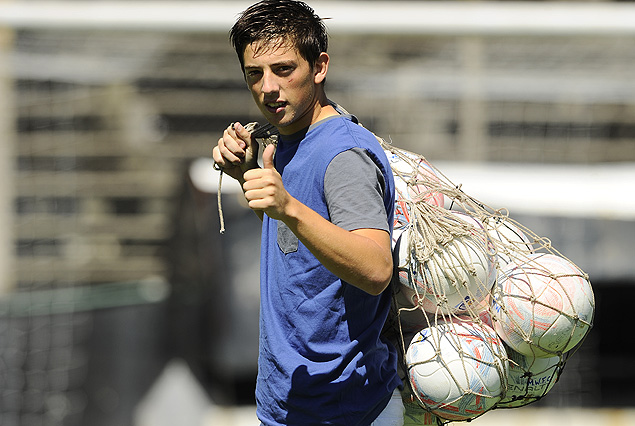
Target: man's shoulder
347, 126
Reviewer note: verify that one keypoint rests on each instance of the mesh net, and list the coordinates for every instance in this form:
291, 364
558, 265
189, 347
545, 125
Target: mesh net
486, 311
43, 361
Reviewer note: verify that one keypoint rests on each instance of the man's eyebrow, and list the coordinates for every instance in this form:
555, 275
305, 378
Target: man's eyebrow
275, 64
287, 62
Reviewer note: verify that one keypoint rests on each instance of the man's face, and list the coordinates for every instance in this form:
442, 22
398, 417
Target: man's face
283, 84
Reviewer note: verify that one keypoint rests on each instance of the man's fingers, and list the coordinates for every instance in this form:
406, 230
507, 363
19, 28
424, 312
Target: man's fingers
232, 147
223, 155
236, 150
217, 157
242, 135
267, 157
233, 143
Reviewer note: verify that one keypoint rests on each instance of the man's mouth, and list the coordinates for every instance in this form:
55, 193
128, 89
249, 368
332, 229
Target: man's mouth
275, 106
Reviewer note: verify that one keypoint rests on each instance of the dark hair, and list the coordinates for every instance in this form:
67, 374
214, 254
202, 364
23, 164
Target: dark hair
269, 21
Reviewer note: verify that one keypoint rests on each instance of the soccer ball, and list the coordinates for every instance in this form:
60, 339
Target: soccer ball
542, 306
529, 378
403, 258
510, 241
457, 369
411, 319
396, 234
411, 176
457, 278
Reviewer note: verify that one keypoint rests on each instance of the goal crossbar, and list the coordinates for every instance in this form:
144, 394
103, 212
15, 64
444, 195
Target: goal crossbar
415, 18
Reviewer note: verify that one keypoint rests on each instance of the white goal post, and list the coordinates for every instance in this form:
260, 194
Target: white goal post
424, 18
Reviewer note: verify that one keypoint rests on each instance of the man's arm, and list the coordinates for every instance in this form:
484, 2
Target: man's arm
361, 257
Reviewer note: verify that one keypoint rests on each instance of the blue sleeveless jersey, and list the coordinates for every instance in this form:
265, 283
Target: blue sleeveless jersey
321, 357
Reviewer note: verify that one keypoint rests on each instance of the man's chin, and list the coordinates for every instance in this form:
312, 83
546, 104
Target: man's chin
276, 120
286, 125
281, 125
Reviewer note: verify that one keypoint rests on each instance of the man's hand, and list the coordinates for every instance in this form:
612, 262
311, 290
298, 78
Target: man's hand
264, 189
236, 152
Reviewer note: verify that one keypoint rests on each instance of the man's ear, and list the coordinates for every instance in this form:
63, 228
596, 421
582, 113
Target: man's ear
321, 67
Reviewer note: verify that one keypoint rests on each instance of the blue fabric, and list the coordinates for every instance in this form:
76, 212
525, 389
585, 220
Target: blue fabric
321, 357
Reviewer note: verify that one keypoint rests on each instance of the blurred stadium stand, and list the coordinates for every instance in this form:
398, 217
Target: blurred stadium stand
116, 266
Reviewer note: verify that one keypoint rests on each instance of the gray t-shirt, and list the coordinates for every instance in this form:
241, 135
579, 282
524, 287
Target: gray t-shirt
354, 188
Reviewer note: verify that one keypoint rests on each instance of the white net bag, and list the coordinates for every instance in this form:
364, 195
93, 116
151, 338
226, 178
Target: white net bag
486, 312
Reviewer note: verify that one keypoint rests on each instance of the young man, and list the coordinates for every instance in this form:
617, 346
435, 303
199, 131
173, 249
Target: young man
326, 200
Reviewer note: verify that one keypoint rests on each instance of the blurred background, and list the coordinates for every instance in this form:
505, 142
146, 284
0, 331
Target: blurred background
120, 302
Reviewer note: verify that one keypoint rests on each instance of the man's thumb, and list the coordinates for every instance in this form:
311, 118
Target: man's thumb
267, 156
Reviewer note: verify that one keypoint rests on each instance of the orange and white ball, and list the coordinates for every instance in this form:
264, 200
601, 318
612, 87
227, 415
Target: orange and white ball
543, 306
413, 177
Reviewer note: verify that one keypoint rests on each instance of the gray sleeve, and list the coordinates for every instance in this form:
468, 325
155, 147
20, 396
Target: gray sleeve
354, 192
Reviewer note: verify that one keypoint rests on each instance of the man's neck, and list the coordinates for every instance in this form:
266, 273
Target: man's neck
322, 109
326, 111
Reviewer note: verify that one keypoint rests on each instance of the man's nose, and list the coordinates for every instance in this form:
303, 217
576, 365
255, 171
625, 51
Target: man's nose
269, 83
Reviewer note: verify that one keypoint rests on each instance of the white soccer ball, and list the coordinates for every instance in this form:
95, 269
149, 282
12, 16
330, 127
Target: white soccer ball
456, 279
457, 369
508, 239
396, 234
529, 378
406, 262
410, 176
543, 306
411, 318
